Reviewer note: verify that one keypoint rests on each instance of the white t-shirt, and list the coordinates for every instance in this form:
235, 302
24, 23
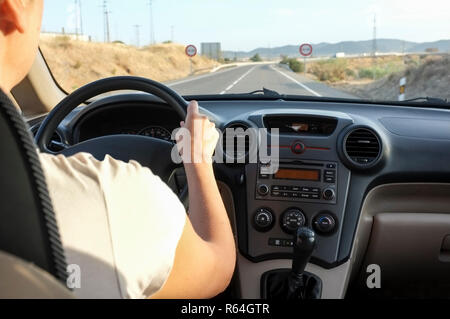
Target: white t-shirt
118, 222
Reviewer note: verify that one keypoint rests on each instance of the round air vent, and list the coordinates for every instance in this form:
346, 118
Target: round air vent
362, 147
236, 142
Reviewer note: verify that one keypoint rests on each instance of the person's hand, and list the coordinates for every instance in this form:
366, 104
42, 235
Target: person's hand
197, 138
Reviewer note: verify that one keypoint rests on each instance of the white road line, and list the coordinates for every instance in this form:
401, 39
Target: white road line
237, 81
204, 76
297, 82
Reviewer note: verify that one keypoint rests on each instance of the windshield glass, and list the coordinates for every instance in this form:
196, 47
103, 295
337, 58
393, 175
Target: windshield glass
383, 50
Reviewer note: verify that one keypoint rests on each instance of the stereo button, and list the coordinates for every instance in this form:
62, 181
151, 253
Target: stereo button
330, 180
263, 190
330, 173
328, 194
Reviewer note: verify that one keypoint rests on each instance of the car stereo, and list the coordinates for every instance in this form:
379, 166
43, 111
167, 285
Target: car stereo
302, 181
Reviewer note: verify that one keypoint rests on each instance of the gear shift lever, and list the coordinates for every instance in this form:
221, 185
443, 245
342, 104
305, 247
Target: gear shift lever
294, 283
304, 244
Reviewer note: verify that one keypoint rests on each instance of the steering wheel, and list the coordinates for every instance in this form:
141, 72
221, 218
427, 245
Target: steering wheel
149, 152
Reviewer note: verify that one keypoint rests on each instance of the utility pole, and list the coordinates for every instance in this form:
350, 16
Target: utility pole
106, 12
78, 18
137, 26
172, 31
374, 43
75, 7
152, 23
81, 17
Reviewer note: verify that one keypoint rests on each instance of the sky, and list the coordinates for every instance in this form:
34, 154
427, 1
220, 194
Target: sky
243, 25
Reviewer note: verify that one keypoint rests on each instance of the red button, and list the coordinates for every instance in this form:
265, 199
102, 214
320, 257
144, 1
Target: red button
298, 148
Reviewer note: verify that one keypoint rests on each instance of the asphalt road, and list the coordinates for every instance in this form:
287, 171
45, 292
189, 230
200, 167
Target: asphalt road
249, 78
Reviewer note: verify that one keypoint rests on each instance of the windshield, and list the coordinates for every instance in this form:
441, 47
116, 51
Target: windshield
383, 50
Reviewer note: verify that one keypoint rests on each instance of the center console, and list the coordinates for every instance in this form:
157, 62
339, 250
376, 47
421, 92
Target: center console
296, 182
309, 189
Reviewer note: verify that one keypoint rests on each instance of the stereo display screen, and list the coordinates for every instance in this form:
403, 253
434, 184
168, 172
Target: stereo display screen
298, 174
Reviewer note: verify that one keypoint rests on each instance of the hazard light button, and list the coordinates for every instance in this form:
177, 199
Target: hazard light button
298, 148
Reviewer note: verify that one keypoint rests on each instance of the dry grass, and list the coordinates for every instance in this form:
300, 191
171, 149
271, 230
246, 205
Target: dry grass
356, 69
429, 76
75, 63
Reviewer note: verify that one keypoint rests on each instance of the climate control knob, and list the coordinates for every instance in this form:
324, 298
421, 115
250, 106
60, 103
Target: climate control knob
292, 219
324, 223
263, 220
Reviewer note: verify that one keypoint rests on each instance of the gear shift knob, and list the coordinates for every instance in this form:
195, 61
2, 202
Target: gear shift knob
304, 244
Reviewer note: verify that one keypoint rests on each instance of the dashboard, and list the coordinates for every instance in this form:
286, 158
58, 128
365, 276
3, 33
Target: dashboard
157, 121
331, 155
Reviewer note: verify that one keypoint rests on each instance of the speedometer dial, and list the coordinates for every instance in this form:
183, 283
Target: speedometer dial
156, 132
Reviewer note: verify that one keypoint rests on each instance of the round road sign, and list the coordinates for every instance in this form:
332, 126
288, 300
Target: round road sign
191, 50
306, 49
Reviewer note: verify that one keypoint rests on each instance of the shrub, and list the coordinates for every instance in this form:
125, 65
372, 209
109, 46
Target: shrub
296, 66
333, 70
256, 58
350, 73
63, 42
293, 64
77, 65
374, 72
284, 59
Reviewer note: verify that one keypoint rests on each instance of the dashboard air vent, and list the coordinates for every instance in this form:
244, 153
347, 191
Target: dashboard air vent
232, 148
362, 147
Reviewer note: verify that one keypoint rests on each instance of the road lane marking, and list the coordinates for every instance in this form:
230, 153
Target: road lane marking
297, 82
237, 81
200, 77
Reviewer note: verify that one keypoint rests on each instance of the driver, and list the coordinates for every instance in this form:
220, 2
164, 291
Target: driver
124, 228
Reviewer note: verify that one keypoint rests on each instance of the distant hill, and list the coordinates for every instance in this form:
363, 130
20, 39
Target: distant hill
348, 47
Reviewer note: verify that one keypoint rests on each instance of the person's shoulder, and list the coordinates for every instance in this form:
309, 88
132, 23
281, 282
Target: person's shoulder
108, 169
59, 158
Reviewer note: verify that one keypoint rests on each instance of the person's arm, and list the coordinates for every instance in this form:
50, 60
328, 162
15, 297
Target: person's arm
206, 254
